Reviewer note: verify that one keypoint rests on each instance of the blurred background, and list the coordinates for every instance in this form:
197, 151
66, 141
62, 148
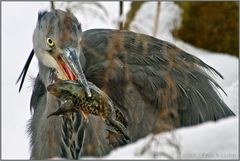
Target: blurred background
208, 25
208, 30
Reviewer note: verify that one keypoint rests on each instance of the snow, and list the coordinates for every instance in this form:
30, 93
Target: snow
198, 142
211, 140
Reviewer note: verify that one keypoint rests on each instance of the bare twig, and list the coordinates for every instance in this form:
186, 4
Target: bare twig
52, 5
156, 21
156, 145
93, 8
135, 6
120, 15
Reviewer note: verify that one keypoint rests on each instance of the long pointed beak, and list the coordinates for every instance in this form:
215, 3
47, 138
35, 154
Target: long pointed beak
70, 57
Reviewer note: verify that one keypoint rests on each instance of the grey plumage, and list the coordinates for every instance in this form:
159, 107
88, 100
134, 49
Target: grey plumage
195, 90
156, 85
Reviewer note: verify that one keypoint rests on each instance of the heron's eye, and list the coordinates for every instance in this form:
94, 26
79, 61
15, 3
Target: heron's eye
50, 42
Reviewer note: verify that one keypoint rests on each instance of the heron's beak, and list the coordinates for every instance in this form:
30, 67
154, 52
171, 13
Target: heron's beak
73, 68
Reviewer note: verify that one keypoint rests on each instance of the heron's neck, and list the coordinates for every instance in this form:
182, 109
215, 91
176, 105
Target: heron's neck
44, 74
46, 132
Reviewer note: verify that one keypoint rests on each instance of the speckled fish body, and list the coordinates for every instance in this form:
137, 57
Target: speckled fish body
75, 99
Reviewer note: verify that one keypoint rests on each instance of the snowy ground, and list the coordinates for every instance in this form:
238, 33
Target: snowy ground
218, 140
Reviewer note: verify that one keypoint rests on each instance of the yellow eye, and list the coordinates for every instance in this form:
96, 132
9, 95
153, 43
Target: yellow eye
50, 42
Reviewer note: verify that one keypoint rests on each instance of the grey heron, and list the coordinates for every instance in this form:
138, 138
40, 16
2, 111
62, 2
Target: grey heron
156, 85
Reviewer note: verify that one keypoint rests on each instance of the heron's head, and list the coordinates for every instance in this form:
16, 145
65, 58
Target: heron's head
56, 42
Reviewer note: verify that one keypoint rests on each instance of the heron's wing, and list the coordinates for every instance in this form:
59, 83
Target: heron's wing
164, 76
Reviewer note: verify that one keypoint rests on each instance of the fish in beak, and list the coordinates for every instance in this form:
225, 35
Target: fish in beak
70, 65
